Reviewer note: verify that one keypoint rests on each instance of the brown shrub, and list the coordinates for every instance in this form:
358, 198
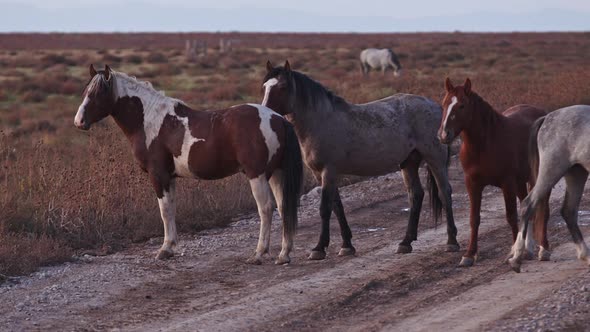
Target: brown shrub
157, 57
22, 254
134, 58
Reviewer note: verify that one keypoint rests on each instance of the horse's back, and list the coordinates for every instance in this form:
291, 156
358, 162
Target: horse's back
566, 132
524, 114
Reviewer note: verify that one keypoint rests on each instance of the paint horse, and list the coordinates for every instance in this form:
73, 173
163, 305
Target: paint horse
372, 58
494, 152
337, 137
170, 140
558, 147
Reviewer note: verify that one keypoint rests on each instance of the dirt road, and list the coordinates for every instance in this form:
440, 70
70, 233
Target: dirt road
208, 287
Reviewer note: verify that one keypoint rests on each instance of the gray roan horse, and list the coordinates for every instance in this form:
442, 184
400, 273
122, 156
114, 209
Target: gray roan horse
336, 137
558, 147
170, 140
372, 58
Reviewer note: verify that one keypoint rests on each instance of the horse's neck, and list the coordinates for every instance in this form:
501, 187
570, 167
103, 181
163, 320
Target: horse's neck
147, 118
310, 120
485, 124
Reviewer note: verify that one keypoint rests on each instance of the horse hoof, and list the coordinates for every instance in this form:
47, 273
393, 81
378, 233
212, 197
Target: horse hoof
466, 261
347, 251
528, 255
283, 260
317, 255
164, 254
514, 264
452, 248
404, 249
254, 260
544, 255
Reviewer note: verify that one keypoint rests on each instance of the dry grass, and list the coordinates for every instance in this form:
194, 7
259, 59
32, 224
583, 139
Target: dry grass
64, 191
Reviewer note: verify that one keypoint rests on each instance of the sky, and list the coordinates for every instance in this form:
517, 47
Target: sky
291, 15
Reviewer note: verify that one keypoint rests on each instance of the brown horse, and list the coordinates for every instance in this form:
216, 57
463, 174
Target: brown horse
170, 140
494, 152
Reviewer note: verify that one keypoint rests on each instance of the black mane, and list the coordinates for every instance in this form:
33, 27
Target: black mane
311, 91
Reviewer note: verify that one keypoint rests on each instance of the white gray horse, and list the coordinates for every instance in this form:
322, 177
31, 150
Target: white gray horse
337, 137
372, 58
558, 147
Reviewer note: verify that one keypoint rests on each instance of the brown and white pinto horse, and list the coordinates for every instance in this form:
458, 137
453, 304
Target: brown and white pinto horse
494, 152
170, 140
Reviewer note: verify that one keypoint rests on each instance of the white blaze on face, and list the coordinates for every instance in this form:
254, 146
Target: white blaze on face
181, 167
454, 101
80, 114
270, 137
267, 87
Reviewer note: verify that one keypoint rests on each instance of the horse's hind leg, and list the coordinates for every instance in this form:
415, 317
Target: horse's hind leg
415, 195
347, 249
276, 184
575, 180
327, 200
528, 254
263, 196
551, 169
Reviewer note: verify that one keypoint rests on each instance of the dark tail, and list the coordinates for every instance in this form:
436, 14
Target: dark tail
436, 204
534, 149
538, 224
292, 166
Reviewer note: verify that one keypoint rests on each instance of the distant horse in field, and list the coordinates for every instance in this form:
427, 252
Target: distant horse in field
372, 58
171, 140
398, 132
558, 147
494, 152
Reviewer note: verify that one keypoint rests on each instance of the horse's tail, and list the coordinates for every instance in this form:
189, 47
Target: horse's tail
534, 149
534, 161
292, 166
436, 204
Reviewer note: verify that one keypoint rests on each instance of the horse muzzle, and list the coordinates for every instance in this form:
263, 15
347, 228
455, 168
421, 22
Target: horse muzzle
445, 137
82, 125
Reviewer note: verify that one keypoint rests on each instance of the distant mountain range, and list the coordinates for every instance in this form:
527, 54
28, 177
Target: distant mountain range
135, 17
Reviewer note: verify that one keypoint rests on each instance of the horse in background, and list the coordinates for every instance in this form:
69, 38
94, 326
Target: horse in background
494, 152
337, 137
171, 140
372, 58
558, 147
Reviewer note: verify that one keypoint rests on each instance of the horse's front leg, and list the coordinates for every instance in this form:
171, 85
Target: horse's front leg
327, 200
165, 190
474, 190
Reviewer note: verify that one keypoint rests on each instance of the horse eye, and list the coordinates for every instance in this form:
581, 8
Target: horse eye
461, 107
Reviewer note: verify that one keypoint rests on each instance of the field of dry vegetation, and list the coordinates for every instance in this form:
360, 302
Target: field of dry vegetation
65, 192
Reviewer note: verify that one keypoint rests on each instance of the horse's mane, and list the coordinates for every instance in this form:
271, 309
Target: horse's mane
311, 94
487, 118
145, 85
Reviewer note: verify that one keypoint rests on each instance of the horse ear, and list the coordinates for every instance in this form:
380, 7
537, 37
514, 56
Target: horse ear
107, 72
467, 86
448, 85
269, 66
287, 66
92, 71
